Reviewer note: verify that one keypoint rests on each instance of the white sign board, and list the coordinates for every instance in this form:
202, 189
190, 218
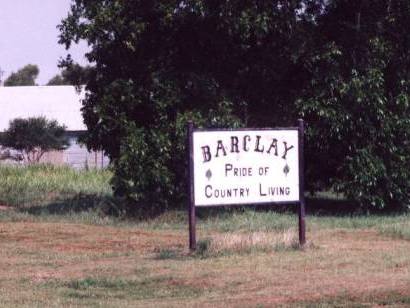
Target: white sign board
245, 166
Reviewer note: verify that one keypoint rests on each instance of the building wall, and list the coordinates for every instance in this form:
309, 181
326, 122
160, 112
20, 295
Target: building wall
78, 157
53, 157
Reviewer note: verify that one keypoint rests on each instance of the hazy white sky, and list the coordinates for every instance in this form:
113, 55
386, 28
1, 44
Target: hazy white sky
28, 34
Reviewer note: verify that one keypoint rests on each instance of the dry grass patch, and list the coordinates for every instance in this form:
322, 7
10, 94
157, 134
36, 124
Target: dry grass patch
244, 242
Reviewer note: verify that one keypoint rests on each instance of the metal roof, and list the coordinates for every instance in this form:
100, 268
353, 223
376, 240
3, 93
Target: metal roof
61, 103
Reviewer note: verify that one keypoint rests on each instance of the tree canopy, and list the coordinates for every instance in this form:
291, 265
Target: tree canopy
72, 74
34, 136
344, 66
25, 76
357, 102
57, 80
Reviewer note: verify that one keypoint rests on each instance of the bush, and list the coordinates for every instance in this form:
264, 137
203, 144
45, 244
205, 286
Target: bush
152, 166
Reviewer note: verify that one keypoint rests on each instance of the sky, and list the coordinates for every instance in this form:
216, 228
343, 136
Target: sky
28, 35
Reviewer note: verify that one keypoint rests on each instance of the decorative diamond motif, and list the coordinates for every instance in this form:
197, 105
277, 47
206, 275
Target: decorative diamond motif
208, 174
286, 169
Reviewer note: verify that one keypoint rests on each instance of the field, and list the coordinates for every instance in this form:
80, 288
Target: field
64, 250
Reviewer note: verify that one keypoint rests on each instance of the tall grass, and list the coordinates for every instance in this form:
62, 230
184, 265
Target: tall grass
37, 185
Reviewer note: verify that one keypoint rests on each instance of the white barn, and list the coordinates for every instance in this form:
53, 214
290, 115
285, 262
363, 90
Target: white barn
61, 103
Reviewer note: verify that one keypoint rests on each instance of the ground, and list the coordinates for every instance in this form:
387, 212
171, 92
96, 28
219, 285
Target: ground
75, 264
64, 242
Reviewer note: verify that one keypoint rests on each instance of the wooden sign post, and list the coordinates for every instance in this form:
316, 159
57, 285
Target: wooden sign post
245, 166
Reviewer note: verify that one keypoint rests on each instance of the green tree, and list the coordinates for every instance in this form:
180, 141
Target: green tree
26, 76
71, 74
34, 136
160, 63
357, 104
74, 73
57, 80
254, 63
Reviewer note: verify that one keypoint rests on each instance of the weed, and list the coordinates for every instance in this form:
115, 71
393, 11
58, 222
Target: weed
202, 247
165, 254
83, 284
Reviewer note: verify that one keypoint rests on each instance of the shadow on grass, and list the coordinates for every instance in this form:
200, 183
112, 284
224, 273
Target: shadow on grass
329, 205
318, 206
105, 205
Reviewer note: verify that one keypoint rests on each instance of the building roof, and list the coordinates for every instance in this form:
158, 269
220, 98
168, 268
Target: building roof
61, 103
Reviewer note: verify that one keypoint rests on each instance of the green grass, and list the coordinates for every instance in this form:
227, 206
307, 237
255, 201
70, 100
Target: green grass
38, 185
355, 222
391, 299
50, 193
137, 289
399, 229
253, 221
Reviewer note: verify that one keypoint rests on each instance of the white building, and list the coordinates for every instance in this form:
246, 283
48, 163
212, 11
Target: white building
61, 103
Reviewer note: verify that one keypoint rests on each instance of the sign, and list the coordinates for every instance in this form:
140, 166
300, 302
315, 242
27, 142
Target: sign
245, 166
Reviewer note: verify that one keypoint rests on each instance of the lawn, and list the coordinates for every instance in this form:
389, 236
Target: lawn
245, 258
